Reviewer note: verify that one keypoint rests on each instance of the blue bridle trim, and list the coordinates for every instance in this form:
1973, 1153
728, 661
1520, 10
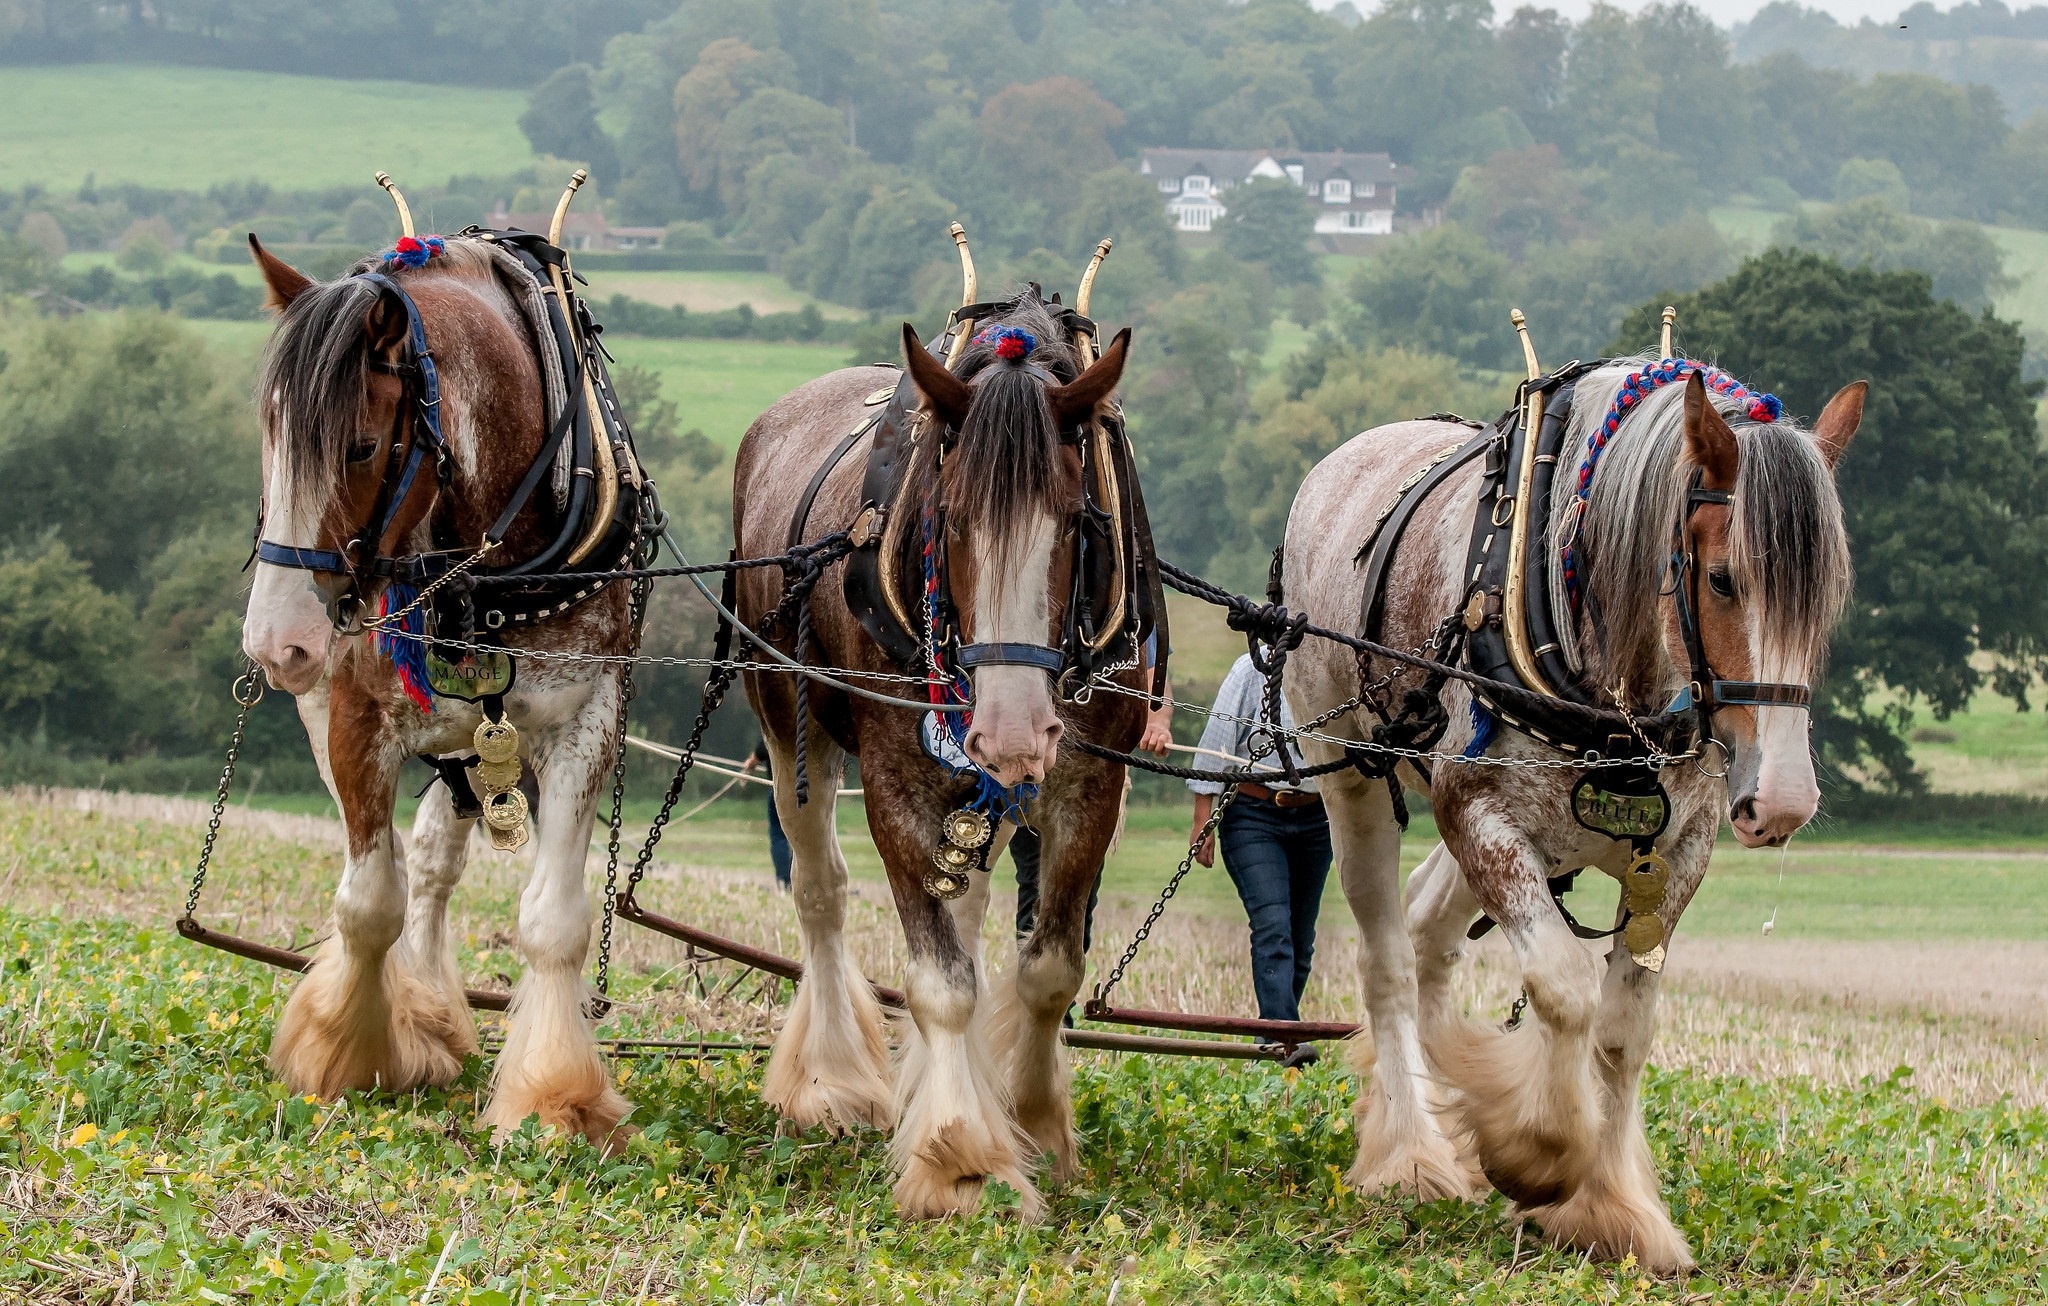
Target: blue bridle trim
1045, 659
291, 555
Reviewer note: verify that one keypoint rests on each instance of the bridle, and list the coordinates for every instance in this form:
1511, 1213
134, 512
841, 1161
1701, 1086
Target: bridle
1085, 636
418, 434
1706, 693
360, 560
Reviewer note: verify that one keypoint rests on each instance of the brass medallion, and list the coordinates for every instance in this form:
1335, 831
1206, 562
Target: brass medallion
497, 773
968, 828
496, 776
496, 741
1644, 883
944, 885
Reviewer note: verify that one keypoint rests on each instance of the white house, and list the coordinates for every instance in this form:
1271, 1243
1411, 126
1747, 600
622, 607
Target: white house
1354, 193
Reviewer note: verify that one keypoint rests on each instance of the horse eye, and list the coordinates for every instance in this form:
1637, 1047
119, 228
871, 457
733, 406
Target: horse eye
363, 450
1722, 583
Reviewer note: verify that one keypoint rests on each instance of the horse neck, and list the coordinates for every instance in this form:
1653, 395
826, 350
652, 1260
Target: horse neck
493, 416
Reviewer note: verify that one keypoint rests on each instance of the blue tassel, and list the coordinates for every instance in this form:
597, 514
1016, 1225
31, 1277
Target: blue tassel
1484, 727
406, 644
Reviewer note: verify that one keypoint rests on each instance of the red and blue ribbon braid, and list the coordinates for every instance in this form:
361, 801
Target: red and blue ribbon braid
1637, 387
406, 644
414, 251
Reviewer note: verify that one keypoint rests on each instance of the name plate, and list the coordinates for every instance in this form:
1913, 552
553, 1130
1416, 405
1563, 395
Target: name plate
472, 676
1620, 814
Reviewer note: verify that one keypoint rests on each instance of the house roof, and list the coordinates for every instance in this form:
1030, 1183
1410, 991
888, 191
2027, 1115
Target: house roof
1316, 166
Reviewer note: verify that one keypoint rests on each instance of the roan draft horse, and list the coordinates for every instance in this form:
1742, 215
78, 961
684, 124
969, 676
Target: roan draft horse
407, 415
1695, 562
972, 579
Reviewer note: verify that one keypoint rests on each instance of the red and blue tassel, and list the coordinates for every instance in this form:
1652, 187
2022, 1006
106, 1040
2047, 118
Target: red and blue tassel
1013, 344
414, 251
406, 644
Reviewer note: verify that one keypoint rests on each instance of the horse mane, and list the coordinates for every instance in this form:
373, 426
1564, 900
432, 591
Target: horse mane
1787, 543
312, 385
1005, 456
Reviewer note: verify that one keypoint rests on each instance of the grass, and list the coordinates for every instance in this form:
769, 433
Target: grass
721, 386
147, 1154
711, 292
190, 128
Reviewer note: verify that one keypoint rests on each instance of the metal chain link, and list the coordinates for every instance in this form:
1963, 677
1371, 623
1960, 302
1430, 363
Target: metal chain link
427, 592
1100, 999
637, 617
248, 692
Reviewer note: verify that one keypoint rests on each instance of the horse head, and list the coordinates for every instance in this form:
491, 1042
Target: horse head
1772, 576
350, 471
1004, 484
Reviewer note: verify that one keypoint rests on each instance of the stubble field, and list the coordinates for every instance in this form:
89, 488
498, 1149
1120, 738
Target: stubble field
1847, 1109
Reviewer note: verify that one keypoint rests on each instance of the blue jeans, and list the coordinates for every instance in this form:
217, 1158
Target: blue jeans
1024, 852
778, 844
1278, 858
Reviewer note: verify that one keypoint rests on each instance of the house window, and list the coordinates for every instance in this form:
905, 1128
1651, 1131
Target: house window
1169, 184
1314, 189
1196, 185
1294, 173
1336, 191
1366, 189
1355, 220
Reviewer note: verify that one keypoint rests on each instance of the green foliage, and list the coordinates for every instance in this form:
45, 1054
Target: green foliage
1269, 223
115, 437
1942, 488
561, 120
64, 645
1878, 179
1964, 263
1440, 291
1331, 395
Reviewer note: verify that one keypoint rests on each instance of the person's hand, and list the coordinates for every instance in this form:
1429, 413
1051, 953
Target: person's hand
1158, 736
750, 766
1206, 854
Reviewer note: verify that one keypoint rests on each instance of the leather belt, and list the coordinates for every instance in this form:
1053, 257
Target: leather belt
1285, 799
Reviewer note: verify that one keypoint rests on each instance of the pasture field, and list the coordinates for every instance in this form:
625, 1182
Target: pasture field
147, 1155
721, 386
712, 292
190, 128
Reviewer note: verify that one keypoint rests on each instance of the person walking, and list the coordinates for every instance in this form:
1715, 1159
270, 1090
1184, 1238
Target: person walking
1276, 849
778, 842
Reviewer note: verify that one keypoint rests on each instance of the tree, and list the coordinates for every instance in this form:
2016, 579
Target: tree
117, 436
1942, 488
1441, 291
1269, 222
727, 71
1966, 265
1945, 138
1518, 198
65, 646
561, 119
1045, 137
1575, 295
1878, 179
776, 121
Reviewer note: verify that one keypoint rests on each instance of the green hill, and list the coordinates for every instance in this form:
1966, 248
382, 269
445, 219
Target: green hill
189, 128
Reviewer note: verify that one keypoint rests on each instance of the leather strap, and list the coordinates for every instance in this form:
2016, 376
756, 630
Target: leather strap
1285, 799
1045, 659
799, 519
1388, 536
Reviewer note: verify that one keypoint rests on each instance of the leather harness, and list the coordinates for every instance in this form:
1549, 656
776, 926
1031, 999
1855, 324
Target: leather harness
538, 587
886, 549
1545, 717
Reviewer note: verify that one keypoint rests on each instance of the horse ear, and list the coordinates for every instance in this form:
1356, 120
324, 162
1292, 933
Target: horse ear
947, 394
1839, 420
1079, 396
1709, 440
385, 325
284, 282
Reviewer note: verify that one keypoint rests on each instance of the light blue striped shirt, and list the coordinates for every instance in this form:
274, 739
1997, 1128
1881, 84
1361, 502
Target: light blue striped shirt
1243, 695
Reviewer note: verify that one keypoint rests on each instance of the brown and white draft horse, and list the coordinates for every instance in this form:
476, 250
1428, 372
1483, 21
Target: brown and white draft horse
383, 1005
980, 1085
1548, 1111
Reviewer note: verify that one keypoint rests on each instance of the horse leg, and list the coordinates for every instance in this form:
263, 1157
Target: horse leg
363, 1017
440, 852
831, 1060
1528, 1096
1440, 909
1617, 1209
953, 1127
550, 1066
1401, 1144
1030, 1001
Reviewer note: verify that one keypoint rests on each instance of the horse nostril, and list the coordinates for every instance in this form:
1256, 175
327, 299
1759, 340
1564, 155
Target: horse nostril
1743, 810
